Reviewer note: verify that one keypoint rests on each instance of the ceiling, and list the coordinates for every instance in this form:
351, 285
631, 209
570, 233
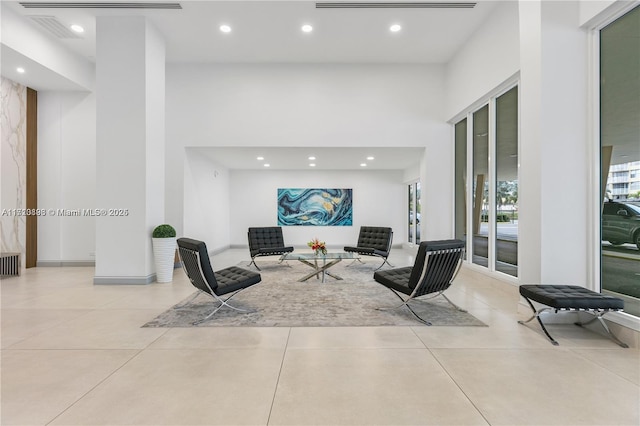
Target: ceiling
267, 31
270, 31
297, 158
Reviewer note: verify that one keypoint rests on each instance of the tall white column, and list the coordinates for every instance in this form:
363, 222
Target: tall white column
130, 144
554, 167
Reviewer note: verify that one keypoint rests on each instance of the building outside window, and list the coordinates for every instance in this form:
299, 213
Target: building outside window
620, 159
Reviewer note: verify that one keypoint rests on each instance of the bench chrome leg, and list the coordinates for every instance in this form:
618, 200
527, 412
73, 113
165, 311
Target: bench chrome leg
536, 315
598, 316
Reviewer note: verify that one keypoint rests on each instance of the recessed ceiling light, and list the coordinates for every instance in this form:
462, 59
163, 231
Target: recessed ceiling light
312, 164
225, 28
260, 158
20, 70
395, 28
370, 158
312, 158
307, 28
363, 164
267, 165
77, 28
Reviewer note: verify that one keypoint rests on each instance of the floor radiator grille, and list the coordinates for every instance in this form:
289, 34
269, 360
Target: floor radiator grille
9, 264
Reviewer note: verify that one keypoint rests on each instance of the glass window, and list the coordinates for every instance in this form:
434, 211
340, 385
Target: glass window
461, 180
506, 243
414, 212
411, 214
481, 186
492, 218
620, 153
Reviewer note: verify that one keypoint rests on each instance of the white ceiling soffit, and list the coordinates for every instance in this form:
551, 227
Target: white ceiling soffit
393, 5
268, 31
99, 5
326, 158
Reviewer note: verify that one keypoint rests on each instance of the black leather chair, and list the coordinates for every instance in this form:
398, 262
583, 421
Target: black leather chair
196, 264
266, 241
437, 264
373, 241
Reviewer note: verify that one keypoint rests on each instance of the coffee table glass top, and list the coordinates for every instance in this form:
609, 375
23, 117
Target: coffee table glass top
319, 263
312, 256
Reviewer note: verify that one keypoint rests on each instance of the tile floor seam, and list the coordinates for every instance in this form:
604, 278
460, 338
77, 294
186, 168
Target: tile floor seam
275, 389
139, 351
156, 339
603, 367
459, 387
413, 330
87, 312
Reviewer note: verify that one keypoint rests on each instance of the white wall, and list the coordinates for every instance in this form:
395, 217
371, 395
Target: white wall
222, 204
590, 9
391, 105
489, 57
378, 200
207, 212
129, 147
66, 175
298, 105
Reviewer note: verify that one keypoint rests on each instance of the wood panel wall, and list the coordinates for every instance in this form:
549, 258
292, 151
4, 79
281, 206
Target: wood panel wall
31, 255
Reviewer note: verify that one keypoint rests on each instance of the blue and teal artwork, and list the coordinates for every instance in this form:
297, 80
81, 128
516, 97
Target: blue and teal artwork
315, 207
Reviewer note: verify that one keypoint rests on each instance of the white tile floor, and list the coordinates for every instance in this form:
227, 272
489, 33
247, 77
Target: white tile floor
75, 354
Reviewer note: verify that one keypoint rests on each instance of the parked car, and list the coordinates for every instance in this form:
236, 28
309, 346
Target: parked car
621, 223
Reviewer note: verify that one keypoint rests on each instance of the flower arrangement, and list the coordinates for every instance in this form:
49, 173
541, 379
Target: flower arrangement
317, 246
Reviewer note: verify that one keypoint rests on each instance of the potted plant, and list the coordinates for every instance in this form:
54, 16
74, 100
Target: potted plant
164, 248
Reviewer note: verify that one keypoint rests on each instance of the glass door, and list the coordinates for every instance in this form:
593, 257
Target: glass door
414, 209
506, 199
461, 181
480, 235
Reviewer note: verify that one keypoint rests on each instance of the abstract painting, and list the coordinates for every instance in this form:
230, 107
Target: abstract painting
315, 207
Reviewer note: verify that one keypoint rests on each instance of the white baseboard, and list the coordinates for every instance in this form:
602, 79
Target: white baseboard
124, 280
59, 263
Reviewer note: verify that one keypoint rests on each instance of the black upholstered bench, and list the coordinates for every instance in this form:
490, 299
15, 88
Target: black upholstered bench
571, 298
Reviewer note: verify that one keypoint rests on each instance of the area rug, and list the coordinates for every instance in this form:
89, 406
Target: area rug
279, 300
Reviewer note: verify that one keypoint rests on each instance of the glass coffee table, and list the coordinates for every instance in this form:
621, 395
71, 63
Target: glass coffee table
319, 263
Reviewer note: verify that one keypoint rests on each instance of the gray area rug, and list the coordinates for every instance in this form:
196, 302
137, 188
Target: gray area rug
279, 300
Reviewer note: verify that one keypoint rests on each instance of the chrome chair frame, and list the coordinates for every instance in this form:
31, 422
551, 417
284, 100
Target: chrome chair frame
442, 267
192, 256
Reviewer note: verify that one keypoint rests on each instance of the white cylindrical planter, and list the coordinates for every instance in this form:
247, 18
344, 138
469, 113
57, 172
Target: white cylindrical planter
164, 250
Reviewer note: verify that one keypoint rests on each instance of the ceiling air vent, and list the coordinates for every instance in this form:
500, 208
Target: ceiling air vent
99, 5
392, 5
52, 25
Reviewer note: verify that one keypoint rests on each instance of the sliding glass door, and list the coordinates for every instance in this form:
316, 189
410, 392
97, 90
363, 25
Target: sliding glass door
461, 180
506, 189
492, 217
413, 194
480, 224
